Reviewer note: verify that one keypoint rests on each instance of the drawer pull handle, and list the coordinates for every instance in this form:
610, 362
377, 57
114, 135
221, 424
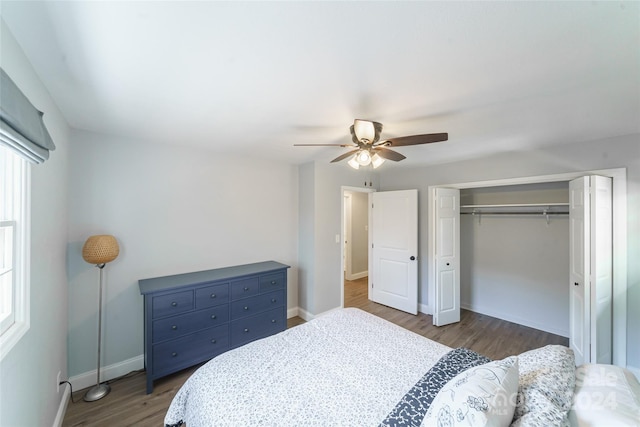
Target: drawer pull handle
174, 327
246, 289
213, 316
273, 282
174, 354
246, 308
213, 295
273, 320
213, 341
246, 329
174, 304
274, 300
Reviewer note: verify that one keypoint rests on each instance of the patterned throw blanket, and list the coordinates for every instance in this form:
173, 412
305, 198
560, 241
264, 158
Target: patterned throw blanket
414, 405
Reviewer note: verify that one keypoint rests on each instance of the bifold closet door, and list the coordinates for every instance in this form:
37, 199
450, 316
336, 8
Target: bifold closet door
590, 218
447, 256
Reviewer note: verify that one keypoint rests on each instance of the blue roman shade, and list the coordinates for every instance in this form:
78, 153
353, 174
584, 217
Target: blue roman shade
21, 125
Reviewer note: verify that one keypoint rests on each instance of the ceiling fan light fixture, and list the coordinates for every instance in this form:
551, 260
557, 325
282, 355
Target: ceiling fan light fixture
353, 162
363, 157
364, 130
376, 160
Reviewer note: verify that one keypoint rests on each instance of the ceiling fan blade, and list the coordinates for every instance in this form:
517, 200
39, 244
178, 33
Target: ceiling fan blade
389, 154
415, 139
344, 156
323, 145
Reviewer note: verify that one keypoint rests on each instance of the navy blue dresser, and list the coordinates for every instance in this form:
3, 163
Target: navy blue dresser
190, 318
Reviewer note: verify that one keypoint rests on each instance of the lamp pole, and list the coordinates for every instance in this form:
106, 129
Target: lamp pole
99, 390
99, 250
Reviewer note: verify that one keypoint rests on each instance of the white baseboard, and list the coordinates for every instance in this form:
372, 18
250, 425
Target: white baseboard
107, 373
305, 314
425, 308
516, 319
89, 379
292, 312
62, 409
356, 276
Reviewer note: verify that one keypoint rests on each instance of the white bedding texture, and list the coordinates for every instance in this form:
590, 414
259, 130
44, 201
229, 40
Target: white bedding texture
347, 367
351, 368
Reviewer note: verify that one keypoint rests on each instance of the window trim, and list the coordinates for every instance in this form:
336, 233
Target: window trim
22, 289
9, 247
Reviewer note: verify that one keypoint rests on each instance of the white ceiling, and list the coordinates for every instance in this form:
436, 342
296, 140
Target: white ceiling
261, 76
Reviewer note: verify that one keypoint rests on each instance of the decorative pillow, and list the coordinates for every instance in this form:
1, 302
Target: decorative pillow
547, 380
481, 396
605, 395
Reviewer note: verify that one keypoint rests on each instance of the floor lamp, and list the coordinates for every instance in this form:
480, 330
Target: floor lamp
99, 250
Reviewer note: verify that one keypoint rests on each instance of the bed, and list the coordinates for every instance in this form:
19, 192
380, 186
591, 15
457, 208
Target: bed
351, 368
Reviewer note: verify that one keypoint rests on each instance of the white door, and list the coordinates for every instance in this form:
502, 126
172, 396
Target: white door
590, 217
393, 276
579, 297
447, 256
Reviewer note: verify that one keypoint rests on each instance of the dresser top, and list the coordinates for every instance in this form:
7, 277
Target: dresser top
169, 282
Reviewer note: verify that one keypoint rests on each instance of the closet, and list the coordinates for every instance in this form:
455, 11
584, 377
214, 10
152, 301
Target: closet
514, 254
506, 249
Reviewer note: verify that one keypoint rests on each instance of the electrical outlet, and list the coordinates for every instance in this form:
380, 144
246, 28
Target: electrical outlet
58, 382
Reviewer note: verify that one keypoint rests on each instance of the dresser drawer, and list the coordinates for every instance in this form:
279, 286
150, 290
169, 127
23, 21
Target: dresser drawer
210, 296
254, 305
245, 288
175, 303
191, 349
254, 327
272, 282
177, 326
187, 317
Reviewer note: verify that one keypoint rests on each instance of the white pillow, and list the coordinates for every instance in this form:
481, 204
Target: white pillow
605, 395
484, 395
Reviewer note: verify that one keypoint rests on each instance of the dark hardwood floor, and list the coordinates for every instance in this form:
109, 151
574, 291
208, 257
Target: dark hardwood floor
128, 405
487, 335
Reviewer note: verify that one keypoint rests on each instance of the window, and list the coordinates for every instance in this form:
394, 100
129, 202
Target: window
14, 248
7, 268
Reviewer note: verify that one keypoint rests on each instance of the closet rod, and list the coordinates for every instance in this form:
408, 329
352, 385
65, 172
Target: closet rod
516, 205
545, 214
514, 213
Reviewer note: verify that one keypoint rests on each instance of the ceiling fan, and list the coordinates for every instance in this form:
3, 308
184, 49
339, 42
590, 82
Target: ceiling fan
365, 135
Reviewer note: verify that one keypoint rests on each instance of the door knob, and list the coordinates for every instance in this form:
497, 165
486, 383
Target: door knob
576, 284
412, 258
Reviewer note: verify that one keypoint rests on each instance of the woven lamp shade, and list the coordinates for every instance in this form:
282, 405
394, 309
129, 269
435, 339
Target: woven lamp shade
100, 249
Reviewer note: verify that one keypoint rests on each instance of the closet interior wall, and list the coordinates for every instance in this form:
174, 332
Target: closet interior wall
515, 265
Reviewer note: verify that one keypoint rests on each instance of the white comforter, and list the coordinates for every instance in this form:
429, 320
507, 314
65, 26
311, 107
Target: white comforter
345, 368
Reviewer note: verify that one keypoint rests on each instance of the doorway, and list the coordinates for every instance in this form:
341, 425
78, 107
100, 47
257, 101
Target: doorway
354, 235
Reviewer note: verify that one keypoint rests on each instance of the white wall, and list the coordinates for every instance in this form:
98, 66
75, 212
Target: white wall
359, 233
623, 151
28, 374
356, 234
306, 239
173, 210
321, 191
515, 267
